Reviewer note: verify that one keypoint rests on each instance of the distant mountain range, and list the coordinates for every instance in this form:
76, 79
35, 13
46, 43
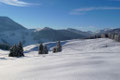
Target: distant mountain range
12, 32
48, 34
106, 31
117, 30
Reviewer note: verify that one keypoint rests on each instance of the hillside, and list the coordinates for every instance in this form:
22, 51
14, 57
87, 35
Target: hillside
85, 34
7, 24
95, 59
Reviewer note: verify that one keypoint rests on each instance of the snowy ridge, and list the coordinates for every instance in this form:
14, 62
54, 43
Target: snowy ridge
79, 60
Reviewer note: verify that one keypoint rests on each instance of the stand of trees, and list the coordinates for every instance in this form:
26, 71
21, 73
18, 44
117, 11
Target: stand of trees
16, 50
43, 49
114, 36
58, 47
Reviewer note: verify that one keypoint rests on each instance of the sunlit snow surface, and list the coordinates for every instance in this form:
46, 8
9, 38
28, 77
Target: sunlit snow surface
95, 59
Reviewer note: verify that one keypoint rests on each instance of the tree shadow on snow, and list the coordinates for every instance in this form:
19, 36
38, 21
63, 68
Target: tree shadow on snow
3, 58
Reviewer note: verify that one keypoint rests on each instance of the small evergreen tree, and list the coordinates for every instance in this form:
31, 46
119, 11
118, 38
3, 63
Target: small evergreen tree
45, 49
20, 50
59, 47
15, 50
11, 51
54, 50
41, 49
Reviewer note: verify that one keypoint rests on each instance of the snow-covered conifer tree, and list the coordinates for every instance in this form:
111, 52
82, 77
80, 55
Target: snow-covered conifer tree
45, 49
40, 49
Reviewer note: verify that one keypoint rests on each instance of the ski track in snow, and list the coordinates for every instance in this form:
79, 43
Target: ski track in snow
93, 59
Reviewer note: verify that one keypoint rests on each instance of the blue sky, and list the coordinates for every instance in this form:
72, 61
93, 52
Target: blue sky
59, 14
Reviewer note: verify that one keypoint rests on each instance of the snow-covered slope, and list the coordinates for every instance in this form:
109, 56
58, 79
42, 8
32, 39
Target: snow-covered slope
97, 59
13, 37
11, 32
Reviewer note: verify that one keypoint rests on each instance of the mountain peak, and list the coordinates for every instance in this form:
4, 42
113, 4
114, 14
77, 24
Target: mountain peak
75, 30
4, 18
47, 28
7, 24
42, 29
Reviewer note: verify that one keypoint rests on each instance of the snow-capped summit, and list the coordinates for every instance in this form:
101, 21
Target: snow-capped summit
42, 29
37, 30
47, 28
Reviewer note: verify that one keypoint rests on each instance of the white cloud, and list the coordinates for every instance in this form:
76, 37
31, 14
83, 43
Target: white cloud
15, 3
81, 11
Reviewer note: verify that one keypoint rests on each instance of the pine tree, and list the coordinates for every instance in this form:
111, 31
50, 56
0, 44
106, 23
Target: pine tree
20, 50
11, 51
45, 49
41, 49
54, 50
15, 51
59, 47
